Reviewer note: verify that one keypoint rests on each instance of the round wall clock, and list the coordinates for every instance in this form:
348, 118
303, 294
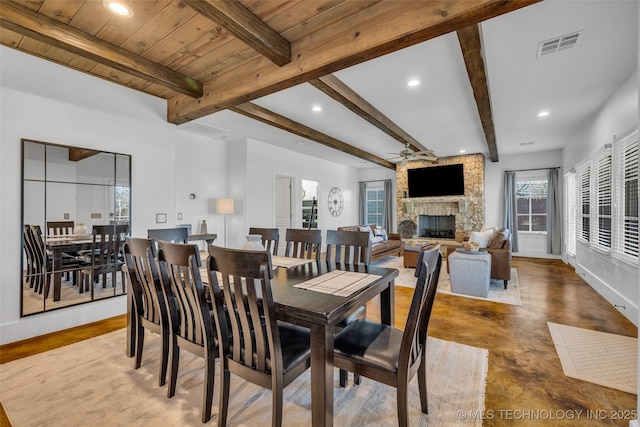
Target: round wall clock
336, 201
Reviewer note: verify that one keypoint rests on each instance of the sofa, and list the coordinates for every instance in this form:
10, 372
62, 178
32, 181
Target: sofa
393, 245
499, 247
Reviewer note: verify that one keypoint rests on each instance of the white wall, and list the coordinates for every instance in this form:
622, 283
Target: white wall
529, 245
77, 110
265, 161
615, 280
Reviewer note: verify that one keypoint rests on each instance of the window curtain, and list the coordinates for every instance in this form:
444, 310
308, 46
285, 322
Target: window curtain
510, 208
362, 208
387, 215
554, 212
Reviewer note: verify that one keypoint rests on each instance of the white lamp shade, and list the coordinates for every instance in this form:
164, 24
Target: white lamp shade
224, 206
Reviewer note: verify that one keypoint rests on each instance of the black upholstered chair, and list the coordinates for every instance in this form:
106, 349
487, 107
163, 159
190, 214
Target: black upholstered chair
301, 243
389, 355
270, 238
254, 345
148, 298
189, 313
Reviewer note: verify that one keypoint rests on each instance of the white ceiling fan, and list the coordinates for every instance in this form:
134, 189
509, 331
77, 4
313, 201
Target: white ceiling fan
407, 154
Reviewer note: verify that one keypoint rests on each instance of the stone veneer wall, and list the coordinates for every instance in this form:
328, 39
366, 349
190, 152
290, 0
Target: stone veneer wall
467, 220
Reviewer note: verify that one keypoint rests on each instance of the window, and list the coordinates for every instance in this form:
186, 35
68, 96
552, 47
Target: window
531, 204
375, 206
625, 240
601, 193
570, 213
583, 176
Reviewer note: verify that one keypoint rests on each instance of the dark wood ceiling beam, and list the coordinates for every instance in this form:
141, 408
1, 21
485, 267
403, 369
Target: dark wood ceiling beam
27, 22
245, 26
263, 115
339, 91
471, 45
383, 28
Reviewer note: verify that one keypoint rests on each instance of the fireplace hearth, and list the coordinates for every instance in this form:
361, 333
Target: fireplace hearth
437, 226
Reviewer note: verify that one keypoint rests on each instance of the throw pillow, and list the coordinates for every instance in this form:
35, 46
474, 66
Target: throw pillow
384, 234
376, 239
498, 239
482, 238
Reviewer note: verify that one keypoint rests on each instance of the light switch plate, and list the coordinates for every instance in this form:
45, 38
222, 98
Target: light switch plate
179, 216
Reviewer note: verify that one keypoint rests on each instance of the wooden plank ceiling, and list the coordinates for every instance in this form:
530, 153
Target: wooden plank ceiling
204, 56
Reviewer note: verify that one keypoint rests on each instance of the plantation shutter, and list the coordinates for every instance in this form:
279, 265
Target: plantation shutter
570, 203
626, 213
601, 219
584, 200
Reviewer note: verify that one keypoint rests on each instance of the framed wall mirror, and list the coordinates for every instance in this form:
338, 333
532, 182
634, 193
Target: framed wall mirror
76, 212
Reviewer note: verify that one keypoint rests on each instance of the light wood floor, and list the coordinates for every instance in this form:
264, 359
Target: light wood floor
525, 374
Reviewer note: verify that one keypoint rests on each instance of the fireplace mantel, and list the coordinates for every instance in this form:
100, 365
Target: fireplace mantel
416, 201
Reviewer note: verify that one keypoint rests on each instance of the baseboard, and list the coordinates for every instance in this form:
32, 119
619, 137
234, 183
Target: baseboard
626, 307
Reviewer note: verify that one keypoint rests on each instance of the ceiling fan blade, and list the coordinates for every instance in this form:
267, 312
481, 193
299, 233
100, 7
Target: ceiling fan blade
403, 162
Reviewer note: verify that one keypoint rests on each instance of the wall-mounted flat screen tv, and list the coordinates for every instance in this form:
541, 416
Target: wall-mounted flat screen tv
436, 181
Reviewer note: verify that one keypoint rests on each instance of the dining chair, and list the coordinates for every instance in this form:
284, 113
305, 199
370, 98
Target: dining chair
104, 257
302, 243
189, 314
60, 228
148, 299
44, 262
270, 238
254, 345
389, 355
173, 235
31, 269
348, 247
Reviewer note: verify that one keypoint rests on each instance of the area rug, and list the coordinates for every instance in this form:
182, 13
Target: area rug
497, 292
609, 360
93, 383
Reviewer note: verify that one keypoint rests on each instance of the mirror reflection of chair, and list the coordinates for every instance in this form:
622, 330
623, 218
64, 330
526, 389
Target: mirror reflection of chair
60, 228
255, 346
301, 243
148, 299
389, 355
189, 312
270, 238
104, 257
31, 266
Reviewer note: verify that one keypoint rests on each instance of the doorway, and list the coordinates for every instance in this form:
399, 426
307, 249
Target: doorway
283, 207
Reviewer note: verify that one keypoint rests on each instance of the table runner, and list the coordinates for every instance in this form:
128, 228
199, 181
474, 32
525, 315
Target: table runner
340, 283
288, 262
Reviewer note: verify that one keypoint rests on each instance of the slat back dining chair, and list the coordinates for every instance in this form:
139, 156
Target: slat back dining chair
348, 247
301, 243
31, 268
189, 313
148, 298
60, 228
270, 238
104, 256
255, 346
389, 355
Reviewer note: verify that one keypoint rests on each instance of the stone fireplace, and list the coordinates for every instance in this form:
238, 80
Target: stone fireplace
437, 226
467, 211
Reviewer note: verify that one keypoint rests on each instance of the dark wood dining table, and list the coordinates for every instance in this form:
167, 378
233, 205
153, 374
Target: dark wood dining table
320, 312
60, 245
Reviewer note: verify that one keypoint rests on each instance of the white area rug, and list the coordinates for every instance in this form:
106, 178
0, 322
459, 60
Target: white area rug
497, 292
605, 359
93, 383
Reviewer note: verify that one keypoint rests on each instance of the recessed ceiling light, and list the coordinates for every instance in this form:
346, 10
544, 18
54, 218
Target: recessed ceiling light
413, 83
316, 108
118, 7
543, 114
462, 151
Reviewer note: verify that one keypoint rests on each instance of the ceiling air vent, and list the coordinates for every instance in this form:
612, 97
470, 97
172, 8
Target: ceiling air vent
559, 43
206, 130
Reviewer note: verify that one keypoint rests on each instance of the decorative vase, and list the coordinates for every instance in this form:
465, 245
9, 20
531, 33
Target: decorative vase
253, 243
203, 227
80, 230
